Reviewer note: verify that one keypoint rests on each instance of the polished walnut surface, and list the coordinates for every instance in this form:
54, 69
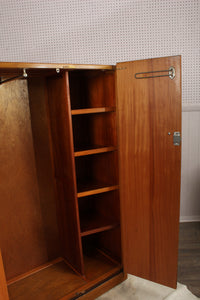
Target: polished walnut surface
148, 110
62, 138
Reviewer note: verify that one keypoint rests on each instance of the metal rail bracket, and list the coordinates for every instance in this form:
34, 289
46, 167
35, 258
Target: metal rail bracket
171, 73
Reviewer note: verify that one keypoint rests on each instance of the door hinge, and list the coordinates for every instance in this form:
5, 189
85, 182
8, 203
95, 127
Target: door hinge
124, 68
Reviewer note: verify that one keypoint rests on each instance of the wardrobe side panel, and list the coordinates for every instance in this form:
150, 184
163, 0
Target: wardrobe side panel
22, 236
44, 163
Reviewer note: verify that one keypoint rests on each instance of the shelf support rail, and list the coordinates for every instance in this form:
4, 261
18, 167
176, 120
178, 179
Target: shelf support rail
24, 75
170, 73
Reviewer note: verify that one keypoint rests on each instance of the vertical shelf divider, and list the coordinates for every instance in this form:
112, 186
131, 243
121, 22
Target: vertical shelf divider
64, 168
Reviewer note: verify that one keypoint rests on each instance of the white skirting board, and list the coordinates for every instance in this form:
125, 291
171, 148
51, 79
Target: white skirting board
135, 288
184, 219
190, 107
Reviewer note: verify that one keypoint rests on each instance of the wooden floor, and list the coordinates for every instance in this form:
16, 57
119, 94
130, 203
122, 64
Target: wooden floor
189, 256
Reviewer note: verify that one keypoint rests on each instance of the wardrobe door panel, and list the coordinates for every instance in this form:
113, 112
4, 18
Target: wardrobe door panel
149, 115
3, 285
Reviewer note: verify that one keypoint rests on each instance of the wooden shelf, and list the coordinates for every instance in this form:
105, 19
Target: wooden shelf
96, 260
94, 188
92, 110
55, 281
94, 223
94, 150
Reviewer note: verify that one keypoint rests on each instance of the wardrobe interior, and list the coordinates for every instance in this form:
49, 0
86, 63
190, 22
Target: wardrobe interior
59, 191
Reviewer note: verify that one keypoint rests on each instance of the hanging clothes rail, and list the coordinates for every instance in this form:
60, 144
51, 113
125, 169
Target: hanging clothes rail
24, 75
170, 73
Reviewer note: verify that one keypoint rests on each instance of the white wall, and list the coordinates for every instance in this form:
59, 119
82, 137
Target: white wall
190, 190
107, 31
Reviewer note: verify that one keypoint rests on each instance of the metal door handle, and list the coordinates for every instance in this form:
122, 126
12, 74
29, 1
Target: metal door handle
177, 138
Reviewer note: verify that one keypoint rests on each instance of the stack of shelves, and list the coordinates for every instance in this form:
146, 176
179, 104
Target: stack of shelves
84, 139
92, 97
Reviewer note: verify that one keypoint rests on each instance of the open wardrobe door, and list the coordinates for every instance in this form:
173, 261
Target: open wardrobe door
149, 116
3, 285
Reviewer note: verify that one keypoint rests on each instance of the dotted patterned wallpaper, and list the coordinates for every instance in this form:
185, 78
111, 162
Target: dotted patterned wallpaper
104, 32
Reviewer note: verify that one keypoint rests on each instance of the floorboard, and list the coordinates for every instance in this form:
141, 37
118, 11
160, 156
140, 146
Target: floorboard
189, 256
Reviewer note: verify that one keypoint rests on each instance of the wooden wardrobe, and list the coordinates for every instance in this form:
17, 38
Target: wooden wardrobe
90, 161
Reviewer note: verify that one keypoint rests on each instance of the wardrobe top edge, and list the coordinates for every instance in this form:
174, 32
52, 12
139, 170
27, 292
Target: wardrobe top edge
22, 65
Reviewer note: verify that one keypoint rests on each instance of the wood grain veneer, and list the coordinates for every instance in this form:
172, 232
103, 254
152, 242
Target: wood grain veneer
52, 283
108, 205
37, 154
99, 210
35, 270
94, 129
149, 168
99, 170
63, 152
95, 150
22, 237
86, 111
44, 162
92, 89
58, 281
21, 65
103, 288
93, 190
3, 285
94, 223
